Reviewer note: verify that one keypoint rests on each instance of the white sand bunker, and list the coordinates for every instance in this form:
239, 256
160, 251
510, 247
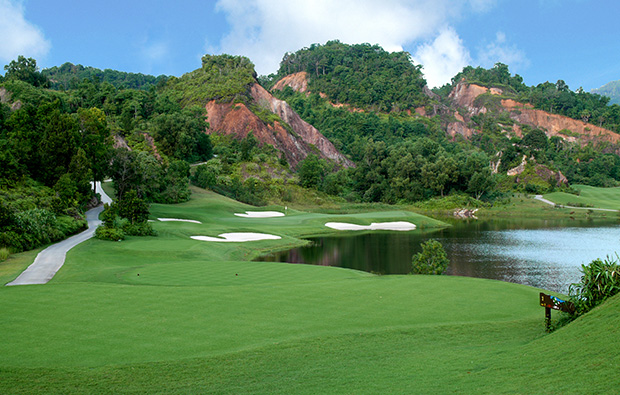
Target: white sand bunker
399, 225
179, 220
237, 237
260, 214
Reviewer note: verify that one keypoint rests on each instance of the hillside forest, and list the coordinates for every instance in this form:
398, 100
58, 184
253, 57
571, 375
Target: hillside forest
63, 127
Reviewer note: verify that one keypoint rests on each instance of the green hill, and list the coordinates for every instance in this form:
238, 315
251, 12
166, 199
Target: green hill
361, 75
611, 90
69, 76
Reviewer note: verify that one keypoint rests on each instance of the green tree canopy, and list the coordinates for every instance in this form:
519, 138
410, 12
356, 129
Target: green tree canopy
432, 259
25, 69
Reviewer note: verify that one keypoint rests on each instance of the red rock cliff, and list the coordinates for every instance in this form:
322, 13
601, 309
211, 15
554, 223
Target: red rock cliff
297, 81
238, 120
464, 95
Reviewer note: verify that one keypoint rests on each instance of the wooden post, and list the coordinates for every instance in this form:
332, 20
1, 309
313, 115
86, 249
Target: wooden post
551, 302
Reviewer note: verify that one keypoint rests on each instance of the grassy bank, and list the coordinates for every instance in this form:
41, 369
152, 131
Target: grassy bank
171, 314
589, 197
520, 206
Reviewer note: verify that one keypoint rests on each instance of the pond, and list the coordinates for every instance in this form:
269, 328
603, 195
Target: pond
546, 254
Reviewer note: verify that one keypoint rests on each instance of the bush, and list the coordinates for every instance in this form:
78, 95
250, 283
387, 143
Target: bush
432, 259
111, 234
599, 281
70, 225
139, 229
4, 254
203, 177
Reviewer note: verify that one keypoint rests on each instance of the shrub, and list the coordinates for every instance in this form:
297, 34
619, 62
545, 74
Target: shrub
204, 177
432, 259
139, 229
4, 254
599, 281
69, 225
111, 234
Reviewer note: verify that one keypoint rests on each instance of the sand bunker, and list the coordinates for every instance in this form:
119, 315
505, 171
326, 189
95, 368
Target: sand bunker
399, 225
260, 214
237, 237
179, 220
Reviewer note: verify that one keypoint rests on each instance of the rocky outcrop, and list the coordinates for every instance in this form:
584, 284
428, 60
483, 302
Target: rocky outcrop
465, 213
5, 98
464, 95
295, 140
541, 171
298, 82
459, 128
553, 124
120, 142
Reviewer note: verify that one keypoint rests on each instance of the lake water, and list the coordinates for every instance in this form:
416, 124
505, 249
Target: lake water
546, 254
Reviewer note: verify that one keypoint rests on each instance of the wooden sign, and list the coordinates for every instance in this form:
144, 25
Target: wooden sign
551, 302
556, 303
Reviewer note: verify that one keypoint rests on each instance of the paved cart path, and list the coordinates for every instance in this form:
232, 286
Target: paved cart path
542, 199
51, 259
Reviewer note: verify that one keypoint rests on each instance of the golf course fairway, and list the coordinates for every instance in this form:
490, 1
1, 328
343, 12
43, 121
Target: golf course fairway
169, 314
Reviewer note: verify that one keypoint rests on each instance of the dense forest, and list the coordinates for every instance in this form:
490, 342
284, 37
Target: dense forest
54, 142
69, 76
64, 127
362, 75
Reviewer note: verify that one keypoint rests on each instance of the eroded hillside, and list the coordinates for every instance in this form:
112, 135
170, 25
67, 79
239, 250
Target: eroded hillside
472, 100
287, 132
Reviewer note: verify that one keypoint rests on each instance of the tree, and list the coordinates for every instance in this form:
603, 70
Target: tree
536, 139
247, 146
96, 140
204, 177
432, 259
480, 183
182, 134
133, 208
310, 171
25, 69
124, 172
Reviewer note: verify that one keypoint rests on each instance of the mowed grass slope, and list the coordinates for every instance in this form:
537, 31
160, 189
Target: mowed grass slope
608, 198
168, 314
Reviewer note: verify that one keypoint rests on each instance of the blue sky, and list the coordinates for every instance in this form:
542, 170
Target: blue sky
542, 40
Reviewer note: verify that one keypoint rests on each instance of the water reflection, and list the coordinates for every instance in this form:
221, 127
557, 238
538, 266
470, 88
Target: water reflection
544, 254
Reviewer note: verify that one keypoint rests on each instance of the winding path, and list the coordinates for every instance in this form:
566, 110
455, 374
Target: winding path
51, 259
542, 199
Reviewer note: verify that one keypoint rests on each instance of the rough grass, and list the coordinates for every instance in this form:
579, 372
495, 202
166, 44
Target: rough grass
608, 198
15, 264
171, 315
524, 206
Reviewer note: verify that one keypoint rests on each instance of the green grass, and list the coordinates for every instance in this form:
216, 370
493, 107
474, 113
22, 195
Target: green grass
17, 263
608, 198
168, 314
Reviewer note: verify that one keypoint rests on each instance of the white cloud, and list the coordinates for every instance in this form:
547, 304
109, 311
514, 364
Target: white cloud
19, 37
501, 50
264, 30
442, 58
